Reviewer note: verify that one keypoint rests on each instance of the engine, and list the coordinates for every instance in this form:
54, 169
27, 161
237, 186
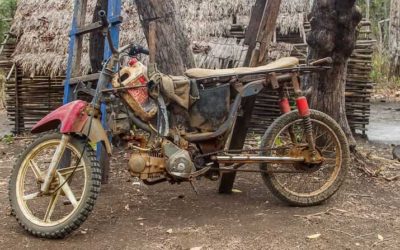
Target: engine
147, 165
171, 161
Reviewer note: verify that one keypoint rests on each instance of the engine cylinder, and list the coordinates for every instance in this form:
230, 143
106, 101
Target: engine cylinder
137, 163
145, 166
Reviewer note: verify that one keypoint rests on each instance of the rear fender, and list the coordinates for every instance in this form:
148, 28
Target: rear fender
72, 118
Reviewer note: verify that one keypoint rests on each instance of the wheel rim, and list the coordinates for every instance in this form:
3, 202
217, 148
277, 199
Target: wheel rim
299, 182
50, 210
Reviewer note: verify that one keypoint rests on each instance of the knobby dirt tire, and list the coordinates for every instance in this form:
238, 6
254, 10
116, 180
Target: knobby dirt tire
86, 202
272, 183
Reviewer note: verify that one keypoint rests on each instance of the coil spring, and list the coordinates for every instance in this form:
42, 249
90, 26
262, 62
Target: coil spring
309, 133
307, 125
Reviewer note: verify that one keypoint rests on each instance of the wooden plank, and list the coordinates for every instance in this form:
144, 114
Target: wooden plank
86, 78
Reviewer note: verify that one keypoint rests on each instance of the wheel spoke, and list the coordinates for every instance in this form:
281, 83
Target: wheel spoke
51, 206
65, 172
329, 160
319, 136
67, 190
35, 169
324, 149
31, 196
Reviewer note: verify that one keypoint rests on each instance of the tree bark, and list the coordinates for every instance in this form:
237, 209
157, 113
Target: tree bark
333, 33
97, 41
174, 54
394, 38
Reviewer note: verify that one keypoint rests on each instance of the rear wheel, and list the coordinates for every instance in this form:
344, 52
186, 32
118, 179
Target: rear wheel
304, 184
72, 193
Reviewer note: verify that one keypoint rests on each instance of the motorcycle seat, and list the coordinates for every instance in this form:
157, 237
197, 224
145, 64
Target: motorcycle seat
286, 62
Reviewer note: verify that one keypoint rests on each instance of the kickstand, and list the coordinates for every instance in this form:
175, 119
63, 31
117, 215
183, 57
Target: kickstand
194, 187
138, 183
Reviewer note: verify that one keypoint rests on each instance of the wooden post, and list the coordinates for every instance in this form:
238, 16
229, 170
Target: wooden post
265, 33
152, 42
265, 30
97, 42
17, 107
250, 39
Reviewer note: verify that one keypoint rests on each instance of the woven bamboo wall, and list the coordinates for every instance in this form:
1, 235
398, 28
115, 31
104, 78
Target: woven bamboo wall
28, 99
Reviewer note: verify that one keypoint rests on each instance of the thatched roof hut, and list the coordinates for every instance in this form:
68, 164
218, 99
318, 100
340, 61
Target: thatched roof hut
42, 27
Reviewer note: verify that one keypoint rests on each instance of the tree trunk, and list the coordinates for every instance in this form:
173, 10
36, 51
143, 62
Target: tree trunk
174, 54
333, 33
96, 45
394, 38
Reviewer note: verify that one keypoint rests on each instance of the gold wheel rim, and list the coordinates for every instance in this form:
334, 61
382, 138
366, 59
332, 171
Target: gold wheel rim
62, 175
336, 169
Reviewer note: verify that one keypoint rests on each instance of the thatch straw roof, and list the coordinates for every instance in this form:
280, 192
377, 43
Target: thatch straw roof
292, 15
43, 26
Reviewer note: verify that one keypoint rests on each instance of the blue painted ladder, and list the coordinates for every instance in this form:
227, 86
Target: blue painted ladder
73, 77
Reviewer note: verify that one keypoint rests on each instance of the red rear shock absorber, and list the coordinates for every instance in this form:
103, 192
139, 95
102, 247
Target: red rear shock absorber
284, 105
302, 106
304, 112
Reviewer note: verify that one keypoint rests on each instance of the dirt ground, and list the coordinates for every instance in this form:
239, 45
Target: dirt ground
363, 214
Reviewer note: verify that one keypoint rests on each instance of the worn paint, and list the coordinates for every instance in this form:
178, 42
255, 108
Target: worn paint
71, 117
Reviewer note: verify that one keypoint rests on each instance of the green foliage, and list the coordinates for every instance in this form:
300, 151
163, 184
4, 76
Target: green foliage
380, 10
380, 72
8, 139
7, 9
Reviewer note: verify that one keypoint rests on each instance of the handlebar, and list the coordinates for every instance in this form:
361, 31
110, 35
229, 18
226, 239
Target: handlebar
326, 60
137, 49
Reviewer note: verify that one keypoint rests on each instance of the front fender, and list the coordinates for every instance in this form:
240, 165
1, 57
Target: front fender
72, 118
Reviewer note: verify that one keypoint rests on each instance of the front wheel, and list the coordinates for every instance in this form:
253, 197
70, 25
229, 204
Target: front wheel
302, 184
72, 193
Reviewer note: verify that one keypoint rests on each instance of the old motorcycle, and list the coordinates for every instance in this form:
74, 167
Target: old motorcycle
175, 129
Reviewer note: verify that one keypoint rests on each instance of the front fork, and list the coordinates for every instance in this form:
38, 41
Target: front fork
54, 163
304, 112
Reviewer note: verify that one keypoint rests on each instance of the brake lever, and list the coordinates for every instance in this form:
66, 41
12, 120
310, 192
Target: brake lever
137, 49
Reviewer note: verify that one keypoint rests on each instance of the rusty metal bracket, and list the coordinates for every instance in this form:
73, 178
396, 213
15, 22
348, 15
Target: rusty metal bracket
274, 80
296, 83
